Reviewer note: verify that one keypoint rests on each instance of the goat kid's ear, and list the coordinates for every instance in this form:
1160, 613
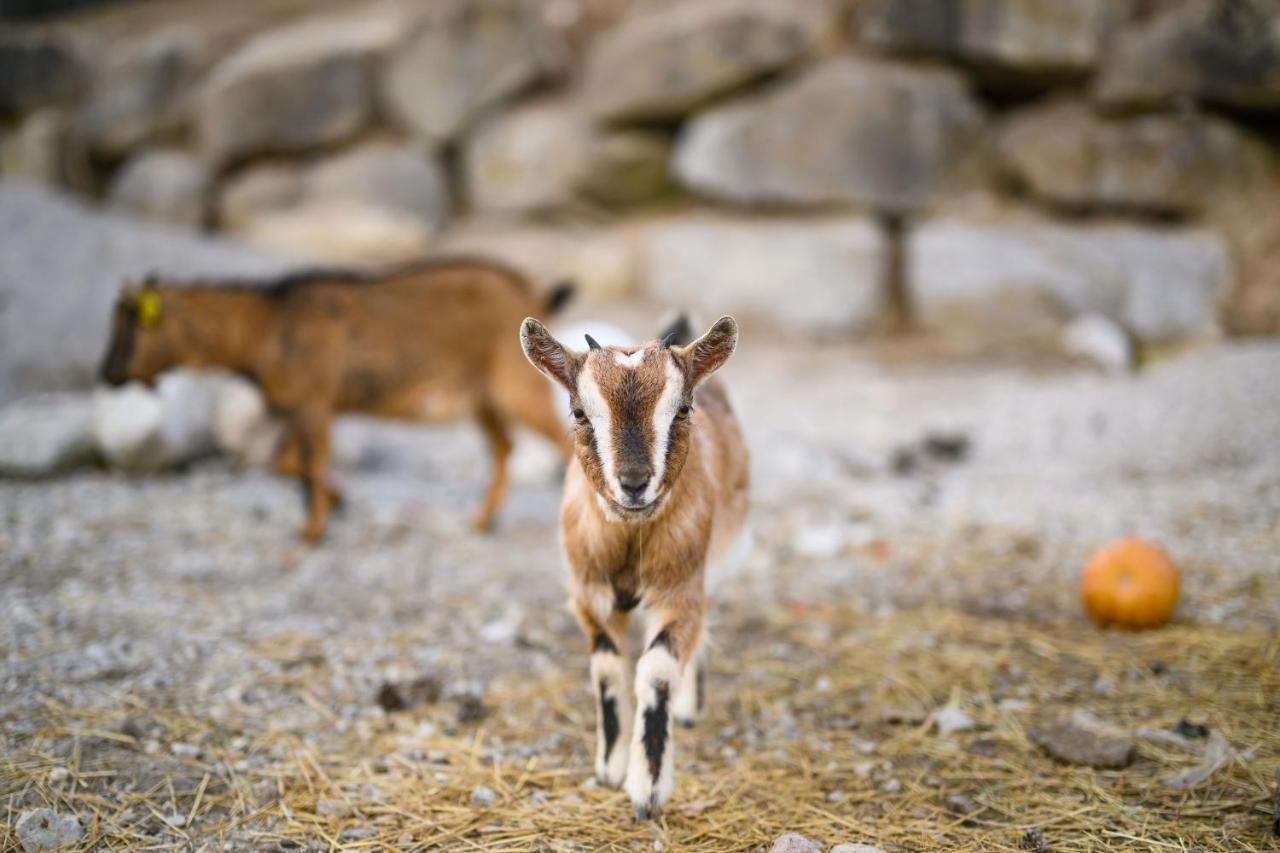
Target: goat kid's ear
706, 355
546, 353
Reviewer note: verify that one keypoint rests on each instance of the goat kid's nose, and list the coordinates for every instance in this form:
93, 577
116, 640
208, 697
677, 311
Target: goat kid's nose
634, 482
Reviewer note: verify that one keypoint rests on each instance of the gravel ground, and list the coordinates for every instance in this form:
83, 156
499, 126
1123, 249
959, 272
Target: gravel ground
188, 590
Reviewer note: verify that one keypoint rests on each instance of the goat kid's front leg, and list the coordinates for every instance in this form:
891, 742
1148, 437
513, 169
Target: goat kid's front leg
612, 690
650, 774
313, 434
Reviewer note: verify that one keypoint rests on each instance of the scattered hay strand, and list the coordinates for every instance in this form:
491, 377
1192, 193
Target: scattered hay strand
820, 724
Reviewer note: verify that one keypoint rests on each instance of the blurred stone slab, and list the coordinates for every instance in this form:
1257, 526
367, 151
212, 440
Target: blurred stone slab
602, 263
45, 434
814, 276
39, 70
45, 148
462, 58
662, 65
1159, 283
167, 185
1071, 157
379, 202
550, 155
294, 88
61, 267
849, 130
1018, 40
1223, 52
144, 89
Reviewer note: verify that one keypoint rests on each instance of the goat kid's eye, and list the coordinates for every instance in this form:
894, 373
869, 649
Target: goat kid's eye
684, 411
581, 417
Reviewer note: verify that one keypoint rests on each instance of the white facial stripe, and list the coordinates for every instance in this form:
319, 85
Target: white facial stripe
597, 410
632, 360
664, 412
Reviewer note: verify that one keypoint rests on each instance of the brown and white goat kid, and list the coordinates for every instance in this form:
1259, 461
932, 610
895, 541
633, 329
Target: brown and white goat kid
656, 492
429, 342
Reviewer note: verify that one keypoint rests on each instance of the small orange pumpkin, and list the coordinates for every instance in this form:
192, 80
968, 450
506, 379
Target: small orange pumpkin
1130, 583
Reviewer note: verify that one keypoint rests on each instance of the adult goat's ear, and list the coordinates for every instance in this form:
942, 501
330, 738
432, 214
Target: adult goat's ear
705, 355
547, 354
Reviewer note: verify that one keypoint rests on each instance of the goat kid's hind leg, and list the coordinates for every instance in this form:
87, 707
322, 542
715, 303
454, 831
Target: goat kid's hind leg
650, 774
498, 435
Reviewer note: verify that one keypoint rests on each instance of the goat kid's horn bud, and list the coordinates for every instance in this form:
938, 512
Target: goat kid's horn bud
591, 342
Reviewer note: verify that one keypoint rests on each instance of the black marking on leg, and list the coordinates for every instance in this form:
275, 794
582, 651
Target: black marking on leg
655, 729
609, 719
601, 643
700, 681
664, 639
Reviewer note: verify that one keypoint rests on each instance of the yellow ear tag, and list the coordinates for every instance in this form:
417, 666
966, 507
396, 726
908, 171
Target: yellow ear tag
148, 309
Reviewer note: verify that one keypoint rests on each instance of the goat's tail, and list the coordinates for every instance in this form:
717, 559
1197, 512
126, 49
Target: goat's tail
561, 295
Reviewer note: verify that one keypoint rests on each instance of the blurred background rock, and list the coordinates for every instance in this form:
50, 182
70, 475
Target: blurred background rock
987, 170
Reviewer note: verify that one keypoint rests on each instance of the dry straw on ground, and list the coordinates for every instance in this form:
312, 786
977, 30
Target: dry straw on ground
820, 724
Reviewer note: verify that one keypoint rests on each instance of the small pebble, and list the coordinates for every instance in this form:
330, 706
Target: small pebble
950, 720
483, 798
333, 807
58, 774
45, 829
176, 820
795, 843
892, 786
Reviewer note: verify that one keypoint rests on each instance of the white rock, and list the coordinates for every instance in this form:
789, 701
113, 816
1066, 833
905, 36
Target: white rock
1101, 340
482, 797
137, 428
44, 829
855, 848
45, 434
950, 720
812, 276
243, 428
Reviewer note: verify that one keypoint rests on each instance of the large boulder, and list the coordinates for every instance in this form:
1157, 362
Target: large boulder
380, 202
1069, 156
462, 58
663, 65
602, 263
45, 148
821, 276
61, 268
850, 130
1158, 283
1015, 41
143, 91
142, 429
163, 184
1223, 52
294, 88
548, 155
44, 435
37, 71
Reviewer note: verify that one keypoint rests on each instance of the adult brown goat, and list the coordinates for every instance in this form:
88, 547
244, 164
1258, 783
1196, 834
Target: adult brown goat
430, 341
